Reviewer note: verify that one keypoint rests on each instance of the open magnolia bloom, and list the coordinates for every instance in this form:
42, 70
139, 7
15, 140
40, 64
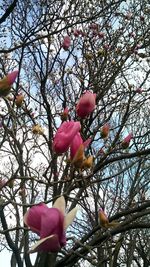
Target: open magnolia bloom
6, 83
104, 222
50, 224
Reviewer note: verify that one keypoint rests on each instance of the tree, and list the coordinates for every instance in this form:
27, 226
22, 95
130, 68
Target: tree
63, 49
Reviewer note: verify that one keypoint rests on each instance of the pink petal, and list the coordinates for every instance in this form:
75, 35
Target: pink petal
86, 104
52, 223
50, 245
66, 42
128, 138
47, 244
76, 142
12, 77
65, 135
32, 217
87, 142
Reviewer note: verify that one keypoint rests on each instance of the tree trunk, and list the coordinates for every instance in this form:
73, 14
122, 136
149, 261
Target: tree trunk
46, 260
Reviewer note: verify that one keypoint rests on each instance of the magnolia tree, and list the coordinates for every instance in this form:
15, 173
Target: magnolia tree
74, 132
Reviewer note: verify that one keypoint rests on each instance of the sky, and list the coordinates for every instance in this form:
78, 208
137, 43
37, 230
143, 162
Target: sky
5, 257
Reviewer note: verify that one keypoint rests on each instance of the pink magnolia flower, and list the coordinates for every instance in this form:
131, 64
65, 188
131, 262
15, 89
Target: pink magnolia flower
77, 152
77, 141
50, 224
6, 83
86, 104
105, 130
65, 135
12, 77
126, 141
66, 42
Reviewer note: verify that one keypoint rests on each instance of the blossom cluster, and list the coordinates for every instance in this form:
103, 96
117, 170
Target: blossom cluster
68, 135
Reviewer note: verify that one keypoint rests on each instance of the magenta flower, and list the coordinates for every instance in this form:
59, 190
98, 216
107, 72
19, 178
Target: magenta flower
86, 104
76, 143
66, 42
50, 224
126, 141
12, 77
65, 135
6, 83
77, 148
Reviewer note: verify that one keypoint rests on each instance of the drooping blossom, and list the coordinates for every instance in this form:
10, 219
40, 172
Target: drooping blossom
104, 221
50, 224
126, 141
105, 130
6, 83
86, 104
64, 136
66, 42
37, 129
19, 100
